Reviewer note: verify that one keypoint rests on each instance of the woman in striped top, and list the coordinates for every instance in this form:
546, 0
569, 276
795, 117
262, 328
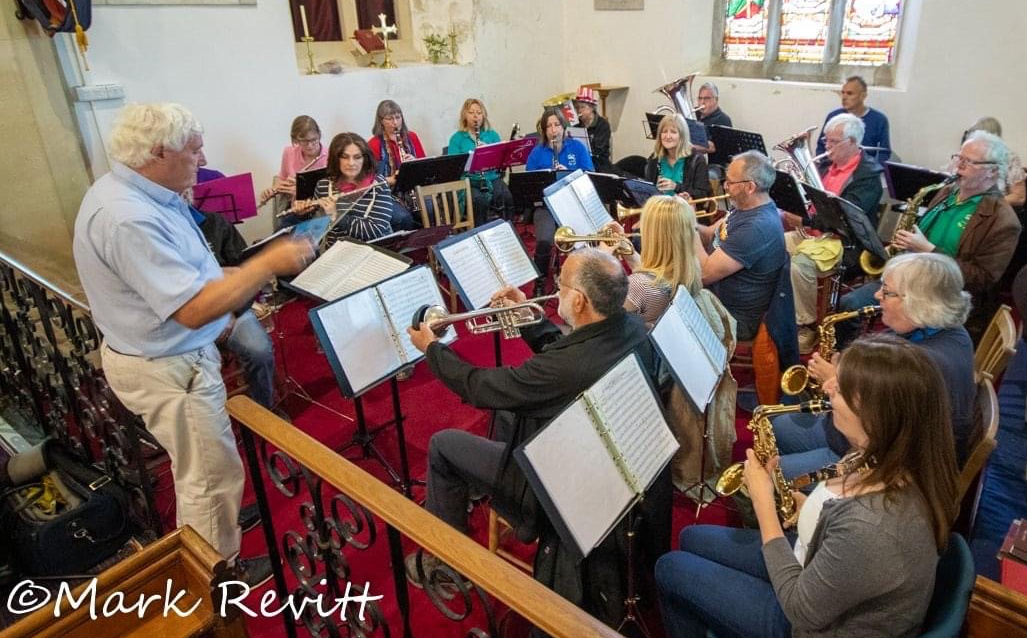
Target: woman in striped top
356, 197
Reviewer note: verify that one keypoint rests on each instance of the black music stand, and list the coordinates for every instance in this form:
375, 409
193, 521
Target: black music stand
306, 182
527, 187
639, 191
733, 141
905, 180
429, 170
788, 196
841, 216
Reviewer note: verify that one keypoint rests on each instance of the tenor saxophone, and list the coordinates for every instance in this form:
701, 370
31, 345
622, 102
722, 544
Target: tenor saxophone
764, 446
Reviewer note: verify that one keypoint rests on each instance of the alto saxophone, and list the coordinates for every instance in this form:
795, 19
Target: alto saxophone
797, 379
871, 263
764, 446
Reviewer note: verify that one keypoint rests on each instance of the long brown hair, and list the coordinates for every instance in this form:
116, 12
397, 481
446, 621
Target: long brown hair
335, 149
903, 406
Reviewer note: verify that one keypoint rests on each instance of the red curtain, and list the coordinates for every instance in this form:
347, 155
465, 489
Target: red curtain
322, 19
368, 10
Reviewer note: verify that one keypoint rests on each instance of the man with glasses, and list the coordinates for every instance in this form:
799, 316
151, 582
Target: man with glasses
743, 254
968, 220
592, 288
709, 100
876, 137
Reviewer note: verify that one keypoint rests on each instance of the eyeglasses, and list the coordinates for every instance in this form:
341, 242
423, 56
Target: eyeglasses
560, 286
395, 117
890, 294
308, 141
835, 141
728, 182
959, 160
706, 98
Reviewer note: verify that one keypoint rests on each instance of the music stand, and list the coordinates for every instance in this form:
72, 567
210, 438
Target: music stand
733, 141
639, 191
231, 197
789, 197
610, 188
500, 156
527, 187
845, 218
905, 180
306, 182
429, 170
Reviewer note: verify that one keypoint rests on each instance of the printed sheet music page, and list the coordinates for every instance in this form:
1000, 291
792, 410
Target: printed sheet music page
509, 255
345, 267
402, 296
472, 270
361, 338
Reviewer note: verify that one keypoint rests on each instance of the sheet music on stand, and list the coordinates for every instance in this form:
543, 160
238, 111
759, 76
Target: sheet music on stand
364, 334
483, 260
574, 202
732, 141
597, 458
348, 265
694, 354
787, 195
429, 170
905, 180
839, 215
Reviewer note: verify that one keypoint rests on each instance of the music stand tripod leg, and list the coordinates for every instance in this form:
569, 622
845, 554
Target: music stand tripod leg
632, 614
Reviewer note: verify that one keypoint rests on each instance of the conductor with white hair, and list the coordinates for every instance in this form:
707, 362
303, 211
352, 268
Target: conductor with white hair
161, 301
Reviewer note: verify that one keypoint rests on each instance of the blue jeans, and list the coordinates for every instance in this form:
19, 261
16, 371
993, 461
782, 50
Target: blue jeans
802, 443
250, 343
847, 331
718, 581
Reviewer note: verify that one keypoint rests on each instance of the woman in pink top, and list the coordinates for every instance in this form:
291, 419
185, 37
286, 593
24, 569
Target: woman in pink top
306, 153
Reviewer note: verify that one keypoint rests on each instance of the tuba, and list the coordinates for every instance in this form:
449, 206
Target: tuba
800, 162
506, 319
680, 91
797, 379
764, 446
871, 263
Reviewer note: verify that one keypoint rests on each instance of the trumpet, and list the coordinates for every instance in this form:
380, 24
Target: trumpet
624, 213
565, 239
506, 319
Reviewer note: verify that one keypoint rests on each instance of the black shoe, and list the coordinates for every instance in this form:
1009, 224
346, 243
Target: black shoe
249, 517
253, 571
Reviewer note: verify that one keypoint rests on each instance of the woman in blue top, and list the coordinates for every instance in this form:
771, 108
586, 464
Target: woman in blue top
556, 153
673, 166
488, 190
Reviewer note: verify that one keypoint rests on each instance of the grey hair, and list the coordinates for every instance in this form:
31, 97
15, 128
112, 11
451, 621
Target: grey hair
996, 151
140, 128
712, 87
601, 278
931, 285
852, 127
986, 123
757, 167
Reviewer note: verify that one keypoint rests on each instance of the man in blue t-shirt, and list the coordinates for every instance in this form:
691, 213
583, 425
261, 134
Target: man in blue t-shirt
746, 250
876, 138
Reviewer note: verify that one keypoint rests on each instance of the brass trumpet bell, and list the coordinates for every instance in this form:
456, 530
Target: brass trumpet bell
506, 319
564, 239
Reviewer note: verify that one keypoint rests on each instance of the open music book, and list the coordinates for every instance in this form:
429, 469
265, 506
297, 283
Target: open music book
597, 458
348, 265
574, 202
694, 354
482, 261
364, 334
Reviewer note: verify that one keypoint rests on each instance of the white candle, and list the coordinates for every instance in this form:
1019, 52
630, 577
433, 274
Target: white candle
303, 16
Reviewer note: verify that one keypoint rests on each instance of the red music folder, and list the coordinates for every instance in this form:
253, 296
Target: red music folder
500, 155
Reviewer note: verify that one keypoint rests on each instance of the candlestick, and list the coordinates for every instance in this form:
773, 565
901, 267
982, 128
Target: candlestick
303, 17
310, 57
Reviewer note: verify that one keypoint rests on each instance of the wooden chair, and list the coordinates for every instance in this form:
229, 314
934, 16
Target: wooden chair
997, 345
971, 476
499, 529
443, 200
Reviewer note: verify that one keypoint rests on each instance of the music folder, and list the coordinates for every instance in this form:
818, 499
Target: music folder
841, 216
574, 202
364, 334
905, 180
348, 265
429, 170
595, 460
306, 182
232, 197
499, 155
696, 357
481, 261
733, 141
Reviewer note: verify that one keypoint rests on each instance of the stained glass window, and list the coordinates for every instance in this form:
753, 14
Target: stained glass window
745, 30
868, 35
803, 30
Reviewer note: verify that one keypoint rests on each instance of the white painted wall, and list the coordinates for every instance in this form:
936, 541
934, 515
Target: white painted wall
235, 68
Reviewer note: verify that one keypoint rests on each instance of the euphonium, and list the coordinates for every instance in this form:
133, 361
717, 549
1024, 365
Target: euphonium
797, 379
508, 319
764, 446
868, 261
800, 162
679, 91
564, 239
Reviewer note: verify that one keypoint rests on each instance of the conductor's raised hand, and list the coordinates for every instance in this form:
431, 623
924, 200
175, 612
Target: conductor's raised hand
287, 256
507, 295
422, 337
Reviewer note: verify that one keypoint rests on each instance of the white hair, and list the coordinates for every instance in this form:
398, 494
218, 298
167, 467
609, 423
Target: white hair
995, 151
852, 127
712, 88
931, 285
140, 128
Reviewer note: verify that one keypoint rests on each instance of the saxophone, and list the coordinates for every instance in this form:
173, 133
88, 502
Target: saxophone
797, 379
764, 446
871, 263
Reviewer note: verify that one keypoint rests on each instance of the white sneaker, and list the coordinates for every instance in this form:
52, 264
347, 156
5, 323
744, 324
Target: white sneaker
807, 339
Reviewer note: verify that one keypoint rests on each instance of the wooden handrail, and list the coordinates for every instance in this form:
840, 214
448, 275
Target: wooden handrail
538, 604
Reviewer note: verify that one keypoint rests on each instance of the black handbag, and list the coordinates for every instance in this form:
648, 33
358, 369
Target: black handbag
65, 521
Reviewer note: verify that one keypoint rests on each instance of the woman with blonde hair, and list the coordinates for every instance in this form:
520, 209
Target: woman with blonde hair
673, 166
488, 190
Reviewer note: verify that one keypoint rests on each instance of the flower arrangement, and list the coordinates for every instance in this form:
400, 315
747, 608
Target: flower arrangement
436, 45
